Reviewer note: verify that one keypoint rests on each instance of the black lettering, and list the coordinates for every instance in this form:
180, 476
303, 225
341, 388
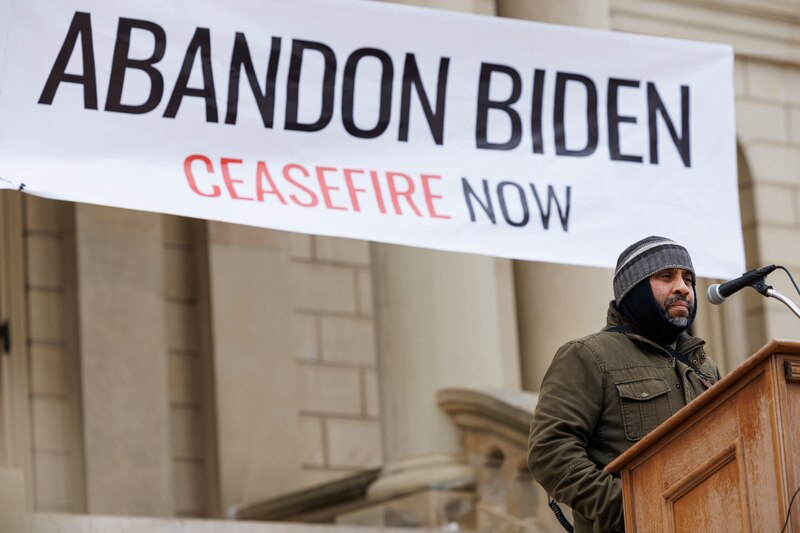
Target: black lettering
293, 86
201, 42
501, 196
485, 104
348, 93
615, 119
487, 207
81, 26
536, 111
655, 107
265, 100
551, 199
435, 118
591, 114
121, 63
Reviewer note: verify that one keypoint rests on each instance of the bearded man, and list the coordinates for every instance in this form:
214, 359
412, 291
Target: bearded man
605, 391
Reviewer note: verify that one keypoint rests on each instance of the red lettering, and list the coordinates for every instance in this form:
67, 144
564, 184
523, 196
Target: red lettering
325, 188
426, 187
378, 194
230, 181
396, 194
312, 197
187, 170
352, 189
263, 177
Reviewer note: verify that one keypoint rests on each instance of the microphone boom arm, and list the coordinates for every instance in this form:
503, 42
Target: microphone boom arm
767, 290
772, 293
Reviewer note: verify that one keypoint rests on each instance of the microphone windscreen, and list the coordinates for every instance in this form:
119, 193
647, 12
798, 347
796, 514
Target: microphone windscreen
713, 294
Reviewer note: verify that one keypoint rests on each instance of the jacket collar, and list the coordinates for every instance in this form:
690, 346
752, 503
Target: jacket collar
685, 343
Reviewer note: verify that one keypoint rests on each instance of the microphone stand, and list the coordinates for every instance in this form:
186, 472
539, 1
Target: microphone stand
766, 290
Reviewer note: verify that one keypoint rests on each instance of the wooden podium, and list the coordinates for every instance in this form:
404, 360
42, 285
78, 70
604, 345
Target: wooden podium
727, 462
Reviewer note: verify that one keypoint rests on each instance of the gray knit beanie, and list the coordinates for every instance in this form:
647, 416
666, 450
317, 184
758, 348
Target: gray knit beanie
644, 258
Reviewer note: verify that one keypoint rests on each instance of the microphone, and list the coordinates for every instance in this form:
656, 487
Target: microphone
718, 292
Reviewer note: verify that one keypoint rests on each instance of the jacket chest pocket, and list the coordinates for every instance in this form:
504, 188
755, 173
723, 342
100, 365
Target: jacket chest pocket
645, 404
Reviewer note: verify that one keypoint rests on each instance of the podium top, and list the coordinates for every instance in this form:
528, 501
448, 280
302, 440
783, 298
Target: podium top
775, 346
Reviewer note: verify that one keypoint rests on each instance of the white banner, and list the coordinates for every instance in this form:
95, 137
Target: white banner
376, 121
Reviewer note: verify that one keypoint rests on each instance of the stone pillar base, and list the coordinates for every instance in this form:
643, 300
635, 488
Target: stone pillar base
437, 472
440, 509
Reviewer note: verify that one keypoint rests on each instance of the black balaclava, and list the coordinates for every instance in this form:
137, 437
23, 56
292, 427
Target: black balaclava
645, 314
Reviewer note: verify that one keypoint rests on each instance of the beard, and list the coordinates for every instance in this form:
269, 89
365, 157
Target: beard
679, 321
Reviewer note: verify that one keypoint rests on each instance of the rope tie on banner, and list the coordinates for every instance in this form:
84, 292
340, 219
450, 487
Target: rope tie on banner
19, 187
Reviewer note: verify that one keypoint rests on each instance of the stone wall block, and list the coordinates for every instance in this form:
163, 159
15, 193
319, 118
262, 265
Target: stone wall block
305, 337
756, 331
46, 307
354, 443
48, 369
300, 246
781, 322
49, 423
774, 163
329, 390
483, 7
365, 302
793, 81
184, 379
235, 235
797, 203
774, 204
52, 481
740, 77
180, 274
757, 120
189, 492
371, 395
181, 327
311, 477
186, 426
768, 81
794, 125
311, 441
339, 250
779, 245
176, 231
45, 261
323, 288
45, 215
348, 340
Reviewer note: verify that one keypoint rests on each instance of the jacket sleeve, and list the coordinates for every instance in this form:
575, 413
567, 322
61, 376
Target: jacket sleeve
569, 407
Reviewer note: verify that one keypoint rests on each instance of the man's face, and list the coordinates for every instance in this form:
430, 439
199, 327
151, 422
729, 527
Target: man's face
672, 289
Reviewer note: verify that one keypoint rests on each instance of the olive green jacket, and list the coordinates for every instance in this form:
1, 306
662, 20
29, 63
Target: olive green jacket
601, 394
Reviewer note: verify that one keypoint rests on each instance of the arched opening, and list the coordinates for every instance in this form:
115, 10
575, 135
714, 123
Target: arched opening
735, 329
492, 486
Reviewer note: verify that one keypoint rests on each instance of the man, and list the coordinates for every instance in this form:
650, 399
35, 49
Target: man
604, 392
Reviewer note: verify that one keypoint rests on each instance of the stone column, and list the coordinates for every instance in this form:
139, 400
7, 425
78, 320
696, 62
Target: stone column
12, 501
556, 303
123, 363
585, 13
443, 320
254, 368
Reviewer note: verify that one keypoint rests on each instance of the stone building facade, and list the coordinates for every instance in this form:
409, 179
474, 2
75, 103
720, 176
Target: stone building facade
167, 367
